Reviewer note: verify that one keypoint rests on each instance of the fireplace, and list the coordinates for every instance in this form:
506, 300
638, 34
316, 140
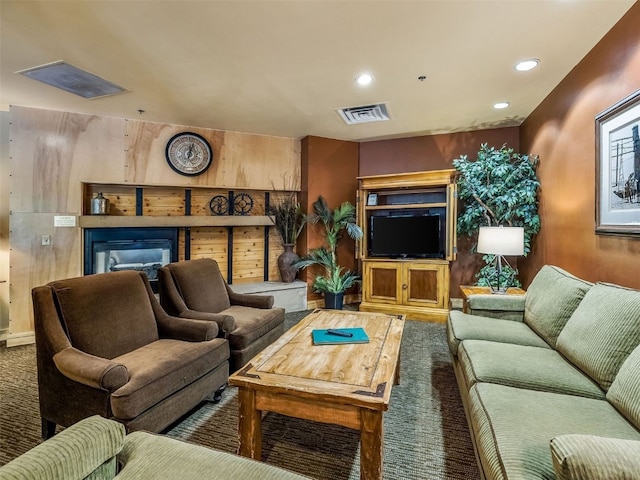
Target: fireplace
141, 249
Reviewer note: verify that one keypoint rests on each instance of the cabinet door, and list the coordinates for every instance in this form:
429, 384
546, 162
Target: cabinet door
382, 282
425, 285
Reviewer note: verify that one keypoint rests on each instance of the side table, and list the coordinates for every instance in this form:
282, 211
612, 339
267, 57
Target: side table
467, 291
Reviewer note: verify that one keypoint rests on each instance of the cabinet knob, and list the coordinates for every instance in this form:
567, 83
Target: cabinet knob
404, 286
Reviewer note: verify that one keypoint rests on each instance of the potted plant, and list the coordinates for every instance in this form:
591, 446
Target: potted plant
334, 280
289, 220
499, 188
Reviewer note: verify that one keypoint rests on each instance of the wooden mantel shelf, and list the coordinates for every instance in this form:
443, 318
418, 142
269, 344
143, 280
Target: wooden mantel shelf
120, 221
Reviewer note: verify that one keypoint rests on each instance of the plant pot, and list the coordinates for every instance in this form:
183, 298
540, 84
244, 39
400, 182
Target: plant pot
333, 301
287, 272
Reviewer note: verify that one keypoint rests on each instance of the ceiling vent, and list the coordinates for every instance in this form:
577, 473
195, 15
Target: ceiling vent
73, 80
364, 114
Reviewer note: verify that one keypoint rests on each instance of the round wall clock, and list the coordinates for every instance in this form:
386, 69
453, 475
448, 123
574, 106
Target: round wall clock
189, 154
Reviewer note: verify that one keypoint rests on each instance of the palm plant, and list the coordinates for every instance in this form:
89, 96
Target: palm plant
335, 279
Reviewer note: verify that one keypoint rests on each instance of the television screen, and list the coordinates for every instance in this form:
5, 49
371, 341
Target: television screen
405, 236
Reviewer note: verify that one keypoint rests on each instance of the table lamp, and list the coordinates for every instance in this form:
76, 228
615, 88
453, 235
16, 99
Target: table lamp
501, 241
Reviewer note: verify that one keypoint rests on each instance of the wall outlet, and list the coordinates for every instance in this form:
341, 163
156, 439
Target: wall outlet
46, 240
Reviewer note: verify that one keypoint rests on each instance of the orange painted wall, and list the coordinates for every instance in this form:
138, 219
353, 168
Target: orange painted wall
329, 168
562, 132
436, 152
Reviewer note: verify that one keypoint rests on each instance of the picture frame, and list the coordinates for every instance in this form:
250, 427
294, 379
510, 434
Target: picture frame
618, 168
372, 200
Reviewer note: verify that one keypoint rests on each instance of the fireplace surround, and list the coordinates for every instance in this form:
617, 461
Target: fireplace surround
130, 248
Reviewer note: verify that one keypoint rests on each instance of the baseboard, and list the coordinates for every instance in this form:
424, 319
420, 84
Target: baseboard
25, 338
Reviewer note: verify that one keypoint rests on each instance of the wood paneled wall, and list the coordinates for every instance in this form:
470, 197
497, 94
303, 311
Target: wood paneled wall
562, 132
53, 153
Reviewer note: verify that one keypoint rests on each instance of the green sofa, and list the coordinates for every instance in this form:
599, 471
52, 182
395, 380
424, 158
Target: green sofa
98, 449
550, 382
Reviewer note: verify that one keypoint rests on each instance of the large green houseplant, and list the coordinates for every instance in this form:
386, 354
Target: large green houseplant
499, 187
334, 280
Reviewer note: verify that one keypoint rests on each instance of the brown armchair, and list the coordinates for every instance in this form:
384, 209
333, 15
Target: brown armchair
196, 289
106, 347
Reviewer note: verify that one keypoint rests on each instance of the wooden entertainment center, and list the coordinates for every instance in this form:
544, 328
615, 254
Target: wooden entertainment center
416, 285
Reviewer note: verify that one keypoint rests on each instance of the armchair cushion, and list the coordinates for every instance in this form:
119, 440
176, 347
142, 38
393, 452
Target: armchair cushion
252, 324
201, 285
161, 368
96, 307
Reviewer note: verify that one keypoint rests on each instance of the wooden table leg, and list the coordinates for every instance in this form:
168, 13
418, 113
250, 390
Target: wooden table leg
371, 435
249, 425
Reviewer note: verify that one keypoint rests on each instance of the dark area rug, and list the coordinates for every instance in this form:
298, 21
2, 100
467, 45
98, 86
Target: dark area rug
425, 437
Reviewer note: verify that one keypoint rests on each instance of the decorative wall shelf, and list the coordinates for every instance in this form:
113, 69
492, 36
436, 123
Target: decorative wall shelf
121, 221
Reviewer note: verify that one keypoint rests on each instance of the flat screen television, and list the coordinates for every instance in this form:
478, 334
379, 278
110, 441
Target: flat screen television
405, 236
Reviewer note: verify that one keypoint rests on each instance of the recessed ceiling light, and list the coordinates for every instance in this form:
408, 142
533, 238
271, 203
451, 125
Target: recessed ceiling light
527, 65
501, 105
364, 79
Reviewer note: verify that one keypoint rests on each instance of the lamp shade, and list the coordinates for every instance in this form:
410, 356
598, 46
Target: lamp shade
501, 240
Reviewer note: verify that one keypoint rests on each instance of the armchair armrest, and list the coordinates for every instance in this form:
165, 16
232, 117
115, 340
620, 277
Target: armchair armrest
507, 307
248, 300
74, 453
225, 323
187, 329
90, 370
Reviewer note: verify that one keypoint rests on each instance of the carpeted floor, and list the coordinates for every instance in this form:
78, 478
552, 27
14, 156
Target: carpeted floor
426, 435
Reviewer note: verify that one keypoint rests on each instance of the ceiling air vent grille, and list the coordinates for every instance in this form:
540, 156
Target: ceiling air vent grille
364, 114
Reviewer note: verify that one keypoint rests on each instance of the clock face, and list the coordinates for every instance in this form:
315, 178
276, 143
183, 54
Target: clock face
189, 154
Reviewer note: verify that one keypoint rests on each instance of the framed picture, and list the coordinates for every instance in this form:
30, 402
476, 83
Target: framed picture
618, 168
372, 199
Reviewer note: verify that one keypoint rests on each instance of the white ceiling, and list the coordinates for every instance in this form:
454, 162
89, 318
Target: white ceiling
283, 67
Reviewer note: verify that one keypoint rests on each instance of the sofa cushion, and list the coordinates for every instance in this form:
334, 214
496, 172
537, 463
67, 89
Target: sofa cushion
624, 392
602, 332
462, 326
551, 299
252, 324
85, 450
506, 307
153, 456
513, 427
523, 366
162, 368
99, 312
577, 457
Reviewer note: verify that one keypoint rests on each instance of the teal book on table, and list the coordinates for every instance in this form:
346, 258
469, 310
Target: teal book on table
321, 337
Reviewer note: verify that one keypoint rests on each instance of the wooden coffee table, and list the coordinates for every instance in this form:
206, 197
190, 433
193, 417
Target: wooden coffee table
347, 384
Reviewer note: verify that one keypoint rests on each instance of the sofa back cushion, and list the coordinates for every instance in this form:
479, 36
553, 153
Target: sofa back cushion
602, 332
551, 299
201, 285
108, 314
624, 393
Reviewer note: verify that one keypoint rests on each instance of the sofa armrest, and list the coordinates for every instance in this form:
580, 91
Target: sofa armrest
90, 370
73, 454
597, 458
249, 300
187, 329
506, 307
